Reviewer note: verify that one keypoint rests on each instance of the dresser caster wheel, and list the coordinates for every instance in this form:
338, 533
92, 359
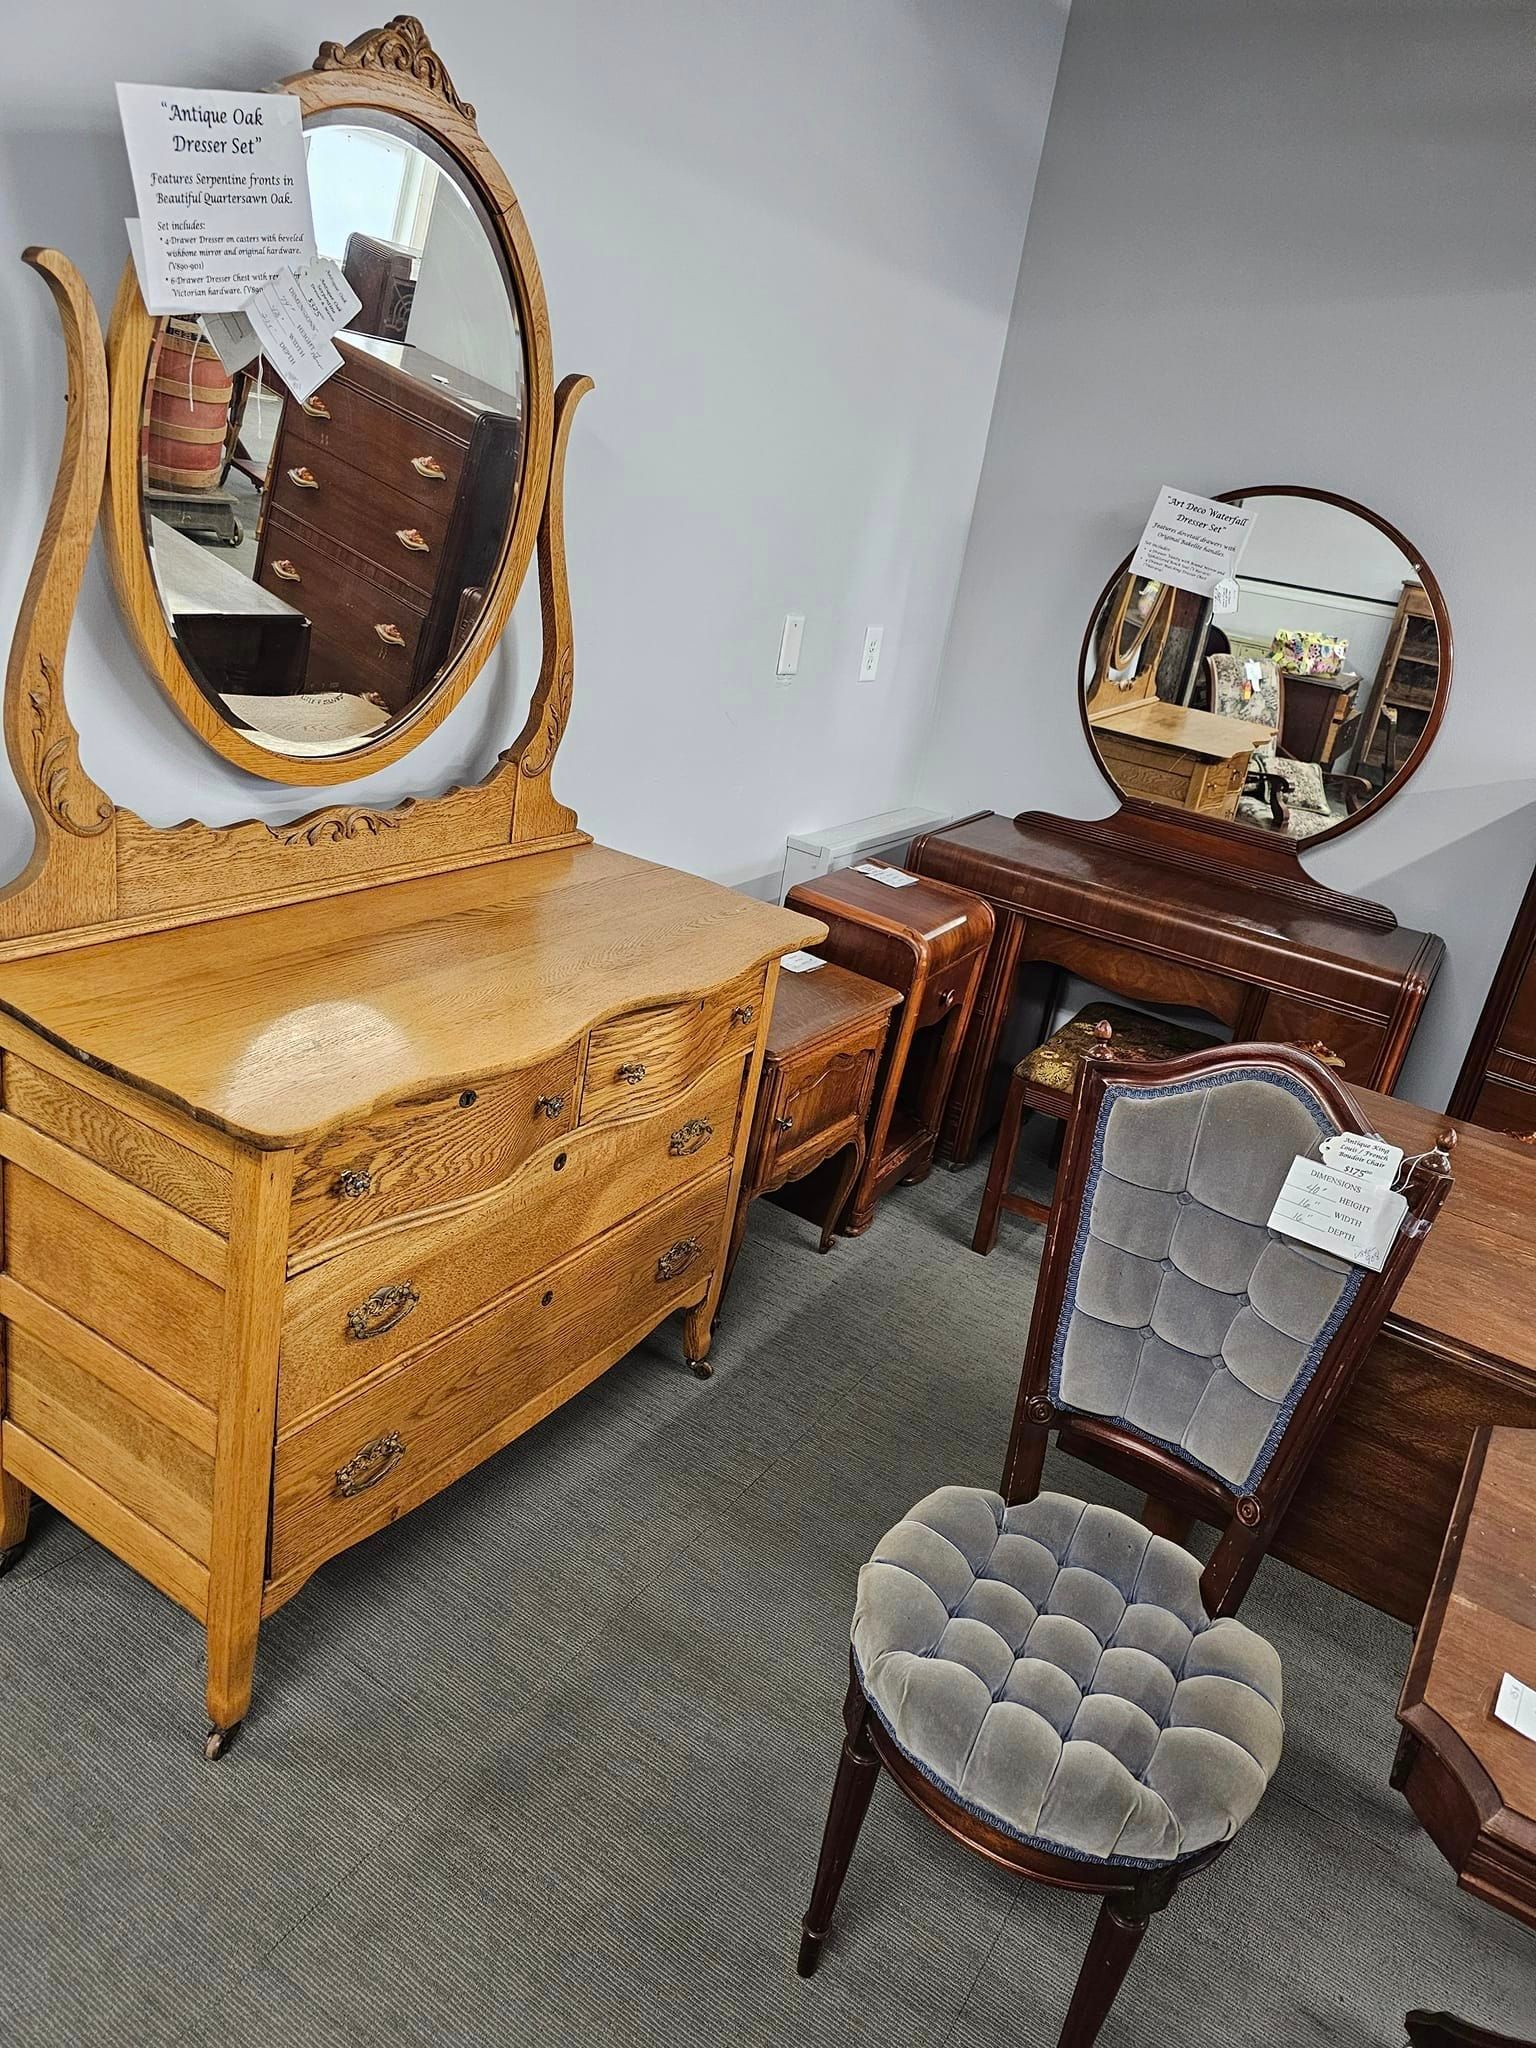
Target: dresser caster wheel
701, 1368
221, 1739
10, 1557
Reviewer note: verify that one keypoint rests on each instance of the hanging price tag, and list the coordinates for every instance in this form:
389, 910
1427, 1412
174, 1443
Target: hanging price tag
1371, 1161
1224, 595
1320, 1205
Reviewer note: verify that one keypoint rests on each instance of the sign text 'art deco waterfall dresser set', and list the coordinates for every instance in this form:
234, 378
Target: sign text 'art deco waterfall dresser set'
339, 1152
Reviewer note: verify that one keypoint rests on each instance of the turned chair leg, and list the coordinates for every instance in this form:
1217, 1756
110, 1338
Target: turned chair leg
1117, 1935
1000, 1173
857, 1769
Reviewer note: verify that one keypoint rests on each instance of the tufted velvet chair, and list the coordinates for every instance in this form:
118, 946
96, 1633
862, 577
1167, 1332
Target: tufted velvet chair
1056, 1685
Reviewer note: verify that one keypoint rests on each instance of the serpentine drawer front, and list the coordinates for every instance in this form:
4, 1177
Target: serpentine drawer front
402, 1437
640, 1060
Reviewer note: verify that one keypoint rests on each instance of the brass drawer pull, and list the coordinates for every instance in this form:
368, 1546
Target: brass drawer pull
390, 635
285, 572
632, 1072
368, 1466
384, 1310
305, 479
414, 539
315, 407
429, 466
690, 1137
743, 1013
352, 1182
677, 1258
783, 1123
550, 1106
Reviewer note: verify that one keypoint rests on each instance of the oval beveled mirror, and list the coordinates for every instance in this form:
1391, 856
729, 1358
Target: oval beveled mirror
1298, 712
316, 582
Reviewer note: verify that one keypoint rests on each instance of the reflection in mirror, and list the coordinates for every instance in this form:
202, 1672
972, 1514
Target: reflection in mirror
320, 564
1290, 713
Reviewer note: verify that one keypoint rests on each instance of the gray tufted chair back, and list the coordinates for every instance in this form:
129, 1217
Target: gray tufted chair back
1174, 1331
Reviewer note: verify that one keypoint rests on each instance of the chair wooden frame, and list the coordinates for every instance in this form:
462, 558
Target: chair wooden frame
1248, 1520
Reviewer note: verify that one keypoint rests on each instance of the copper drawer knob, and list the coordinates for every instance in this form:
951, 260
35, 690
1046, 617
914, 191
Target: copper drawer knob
429, 466
550, 1106
305, 479
632, 1072
384, 1310
413, 539
690, 1137
783, 1123
390, 635
677, 1258
315, 407
285, 572
743, 1014
368, 1466
353, 1182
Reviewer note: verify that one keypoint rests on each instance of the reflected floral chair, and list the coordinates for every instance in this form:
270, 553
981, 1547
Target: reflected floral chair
1060, 1688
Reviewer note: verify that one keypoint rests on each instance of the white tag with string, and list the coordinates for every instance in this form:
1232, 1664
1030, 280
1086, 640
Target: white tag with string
1323, 1206
1367, 1159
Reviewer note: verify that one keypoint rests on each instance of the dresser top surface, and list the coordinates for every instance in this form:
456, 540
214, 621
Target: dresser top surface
281, 1024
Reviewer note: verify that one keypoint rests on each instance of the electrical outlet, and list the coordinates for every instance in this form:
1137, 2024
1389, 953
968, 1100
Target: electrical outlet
869, 661
789, 643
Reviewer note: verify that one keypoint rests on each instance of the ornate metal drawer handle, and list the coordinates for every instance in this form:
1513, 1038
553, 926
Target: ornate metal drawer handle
690, 1137
413, 538
305, 479
429, 466
783, 1123
632, 1072
353, 1181
390, 635
550, 1106
677, 1258
385, 1309
284, 570
315, 407
368, 1466
743, 1013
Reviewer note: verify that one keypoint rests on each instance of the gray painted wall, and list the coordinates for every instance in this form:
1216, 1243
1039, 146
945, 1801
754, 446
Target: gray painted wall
1209, 166
784, 239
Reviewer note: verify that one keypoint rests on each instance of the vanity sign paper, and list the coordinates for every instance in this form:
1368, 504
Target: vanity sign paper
223, 194
1192, 543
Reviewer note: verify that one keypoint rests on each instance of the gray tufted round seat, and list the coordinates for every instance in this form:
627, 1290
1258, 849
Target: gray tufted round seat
1050, 1666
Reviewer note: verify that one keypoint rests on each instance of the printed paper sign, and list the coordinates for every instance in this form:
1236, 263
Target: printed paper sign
1191, 542
1516, 1706
294, 319
222, 191
801, 963
1319, 1205
893, 878
1371, 1161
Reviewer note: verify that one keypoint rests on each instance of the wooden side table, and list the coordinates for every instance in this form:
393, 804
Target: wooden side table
930, 942
825, 1038
1471, 1780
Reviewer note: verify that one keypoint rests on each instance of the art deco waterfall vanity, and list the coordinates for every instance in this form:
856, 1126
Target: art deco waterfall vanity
339, 1152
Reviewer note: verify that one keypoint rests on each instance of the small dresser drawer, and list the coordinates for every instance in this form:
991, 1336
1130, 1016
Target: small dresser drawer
638, 1061
404, 1436
1354, 1040
425, 1155
946, 991
400, 1288
385, 525
421, 462
818, 1096
365, 625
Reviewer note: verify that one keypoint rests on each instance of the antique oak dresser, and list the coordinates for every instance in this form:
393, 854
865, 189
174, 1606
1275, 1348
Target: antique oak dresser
337, 1152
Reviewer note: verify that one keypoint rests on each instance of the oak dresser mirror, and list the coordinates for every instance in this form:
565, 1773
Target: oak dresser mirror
316, 581
1300, 711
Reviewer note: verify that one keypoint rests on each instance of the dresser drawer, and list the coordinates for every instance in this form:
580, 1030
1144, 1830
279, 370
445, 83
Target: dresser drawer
404, 1436
399, 1290
946, 991
423, 1155
364, 625
422, 462
1355, 1040
642, 1059
386, 526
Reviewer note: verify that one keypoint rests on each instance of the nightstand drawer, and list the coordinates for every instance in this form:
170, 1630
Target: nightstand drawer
815, 1097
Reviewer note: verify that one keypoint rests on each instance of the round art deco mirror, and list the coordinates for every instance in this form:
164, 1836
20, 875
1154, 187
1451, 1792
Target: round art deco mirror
1300, 711
316, 583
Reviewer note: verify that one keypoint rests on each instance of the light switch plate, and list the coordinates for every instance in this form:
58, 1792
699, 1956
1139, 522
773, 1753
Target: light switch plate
869, 661
789, 643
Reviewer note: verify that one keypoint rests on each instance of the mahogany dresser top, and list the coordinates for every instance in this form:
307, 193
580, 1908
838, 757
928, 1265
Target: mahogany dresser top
280, 1024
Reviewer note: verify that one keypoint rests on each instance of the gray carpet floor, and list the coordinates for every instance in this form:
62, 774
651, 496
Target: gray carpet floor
548, 1762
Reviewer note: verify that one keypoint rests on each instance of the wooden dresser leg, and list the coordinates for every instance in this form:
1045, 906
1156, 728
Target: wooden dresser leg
698, 1331
242, 1469
15, 1506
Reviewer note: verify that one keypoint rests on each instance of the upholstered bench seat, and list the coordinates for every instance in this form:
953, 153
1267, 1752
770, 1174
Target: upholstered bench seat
1052, 1668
